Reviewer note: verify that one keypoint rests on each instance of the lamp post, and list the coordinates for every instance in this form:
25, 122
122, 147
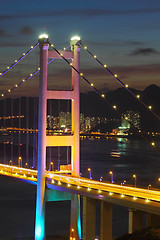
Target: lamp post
19, 161
51, 166
101, 178
149, 186
124, 182
59, 158
90, 173
10, 162
111, 173
134, 176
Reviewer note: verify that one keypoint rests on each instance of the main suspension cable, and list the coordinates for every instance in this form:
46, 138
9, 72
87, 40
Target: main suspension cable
17, 61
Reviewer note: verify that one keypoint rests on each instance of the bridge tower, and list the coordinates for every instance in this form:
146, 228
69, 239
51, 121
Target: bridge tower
50, 141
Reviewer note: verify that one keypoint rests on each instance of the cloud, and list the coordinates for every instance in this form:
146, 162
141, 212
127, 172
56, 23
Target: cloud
138, 69
134, 43
80, 12
26, 30
14, 44
137, 76
144, 51
115, 43
125, 73
2, 33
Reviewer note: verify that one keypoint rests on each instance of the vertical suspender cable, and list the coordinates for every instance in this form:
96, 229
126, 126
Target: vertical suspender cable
50, 128
59, 128
12, 129
36, 143
27, 128
4, 140
19, 132
68, 115
34, 132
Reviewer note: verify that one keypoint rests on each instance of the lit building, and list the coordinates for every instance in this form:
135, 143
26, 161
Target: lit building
132, 117
49, 122
82, 123
87, 124
55, 122
92, 122
65, 120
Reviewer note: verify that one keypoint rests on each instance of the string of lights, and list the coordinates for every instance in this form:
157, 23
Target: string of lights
17, 61
104, 97
19, 84
11, 117
30, 76
115, 76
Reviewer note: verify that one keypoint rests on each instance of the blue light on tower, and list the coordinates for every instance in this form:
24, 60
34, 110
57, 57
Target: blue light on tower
39, 231
79, 223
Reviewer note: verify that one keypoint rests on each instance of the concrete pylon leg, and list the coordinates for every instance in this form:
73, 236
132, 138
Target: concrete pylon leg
89, 218
75, 224
135, 220
75, 156
105, 221
41, 163
152, 220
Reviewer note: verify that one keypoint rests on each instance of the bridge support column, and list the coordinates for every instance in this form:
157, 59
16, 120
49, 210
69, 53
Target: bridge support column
89, 218
152, 220
105, 221
41, 165
75, 224
75, 155
135, 220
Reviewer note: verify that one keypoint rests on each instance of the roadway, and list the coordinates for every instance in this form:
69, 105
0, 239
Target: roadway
147, 200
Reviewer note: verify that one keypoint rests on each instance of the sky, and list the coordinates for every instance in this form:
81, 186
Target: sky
124, 34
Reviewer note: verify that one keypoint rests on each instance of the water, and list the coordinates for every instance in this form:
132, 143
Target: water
123, 158
17, 199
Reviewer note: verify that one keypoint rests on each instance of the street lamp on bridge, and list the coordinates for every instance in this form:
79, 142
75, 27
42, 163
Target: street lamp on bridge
90, 173
101, 178
19, 161
10, 162
111, 173
134, 176
51, 166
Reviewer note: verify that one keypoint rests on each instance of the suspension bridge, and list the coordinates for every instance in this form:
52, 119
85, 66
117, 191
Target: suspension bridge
66, 178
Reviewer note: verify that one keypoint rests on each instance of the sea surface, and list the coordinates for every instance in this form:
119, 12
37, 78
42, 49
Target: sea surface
121, 156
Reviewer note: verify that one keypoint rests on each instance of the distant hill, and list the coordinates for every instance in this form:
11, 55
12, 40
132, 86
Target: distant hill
93, 105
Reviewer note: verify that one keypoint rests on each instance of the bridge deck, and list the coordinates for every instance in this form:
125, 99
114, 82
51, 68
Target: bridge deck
127, 196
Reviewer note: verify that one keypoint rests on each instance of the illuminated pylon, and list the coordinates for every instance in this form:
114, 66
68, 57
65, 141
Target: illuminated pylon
41, 164
52, 141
